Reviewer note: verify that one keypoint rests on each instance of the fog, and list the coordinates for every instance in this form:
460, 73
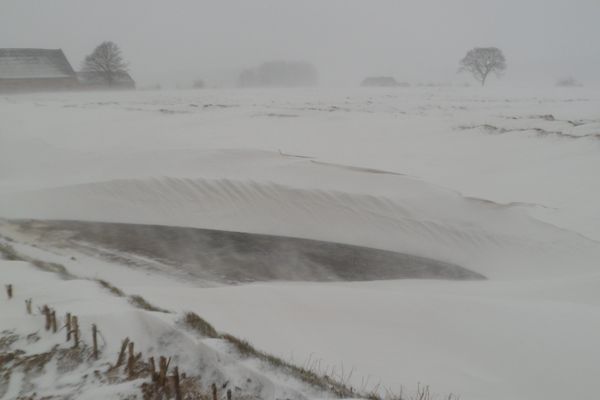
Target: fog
300, 199
176, 42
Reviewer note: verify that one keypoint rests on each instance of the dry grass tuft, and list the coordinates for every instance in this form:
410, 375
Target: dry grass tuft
139, 302
308, 376
200, 325
7, 340
35, 363
113, 289
9, 253
191, 387
135, 300
54, 268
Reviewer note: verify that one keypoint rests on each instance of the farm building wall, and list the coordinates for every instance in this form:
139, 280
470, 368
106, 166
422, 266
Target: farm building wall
38, 84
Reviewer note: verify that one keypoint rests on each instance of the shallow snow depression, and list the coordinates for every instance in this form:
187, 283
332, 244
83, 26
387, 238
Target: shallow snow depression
502, 184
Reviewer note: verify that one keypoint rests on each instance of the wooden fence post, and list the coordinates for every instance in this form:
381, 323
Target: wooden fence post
214, 391
228, 394
53, 320
153, 373
176, 384
130, 360
68, 326
95, 340
162, 375
75, 328
46, 312
9, 291
121, 357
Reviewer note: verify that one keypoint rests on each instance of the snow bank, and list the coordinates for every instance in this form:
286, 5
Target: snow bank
495, 240
487, 340
81, 138
481, 341
153, 333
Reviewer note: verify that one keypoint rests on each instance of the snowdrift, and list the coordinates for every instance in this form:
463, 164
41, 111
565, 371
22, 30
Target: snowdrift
497, 241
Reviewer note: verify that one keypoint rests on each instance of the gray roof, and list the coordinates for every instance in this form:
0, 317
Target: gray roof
34, 63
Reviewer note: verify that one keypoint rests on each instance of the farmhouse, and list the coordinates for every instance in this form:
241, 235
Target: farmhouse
31, 70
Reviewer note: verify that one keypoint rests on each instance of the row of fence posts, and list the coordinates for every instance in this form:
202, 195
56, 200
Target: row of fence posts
71, 326
159, 378
71, 322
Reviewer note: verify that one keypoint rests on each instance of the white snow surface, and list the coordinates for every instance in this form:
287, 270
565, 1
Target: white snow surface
154, 334
501, 182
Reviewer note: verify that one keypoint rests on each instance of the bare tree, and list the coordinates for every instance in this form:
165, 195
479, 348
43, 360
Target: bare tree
106, 60
481, 61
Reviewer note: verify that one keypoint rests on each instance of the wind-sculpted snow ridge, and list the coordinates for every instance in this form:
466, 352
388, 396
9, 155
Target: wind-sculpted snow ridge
422, 220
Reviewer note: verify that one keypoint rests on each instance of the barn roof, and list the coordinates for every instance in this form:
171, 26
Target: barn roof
34, 63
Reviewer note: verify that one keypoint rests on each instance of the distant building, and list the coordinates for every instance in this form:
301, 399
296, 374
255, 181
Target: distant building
97, 80
382, 81
32, 70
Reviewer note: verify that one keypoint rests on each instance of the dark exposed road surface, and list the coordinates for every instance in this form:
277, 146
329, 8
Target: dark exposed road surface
231, 257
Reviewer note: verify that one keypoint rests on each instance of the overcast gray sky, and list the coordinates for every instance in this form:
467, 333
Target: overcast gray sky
172, 41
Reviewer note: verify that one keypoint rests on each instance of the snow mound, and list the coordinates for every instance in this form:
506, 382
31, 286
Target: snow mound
498, 241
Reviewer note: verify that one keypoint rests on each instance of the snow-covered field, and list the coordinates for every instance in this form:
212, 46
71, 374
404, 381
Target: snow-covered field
503, 183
